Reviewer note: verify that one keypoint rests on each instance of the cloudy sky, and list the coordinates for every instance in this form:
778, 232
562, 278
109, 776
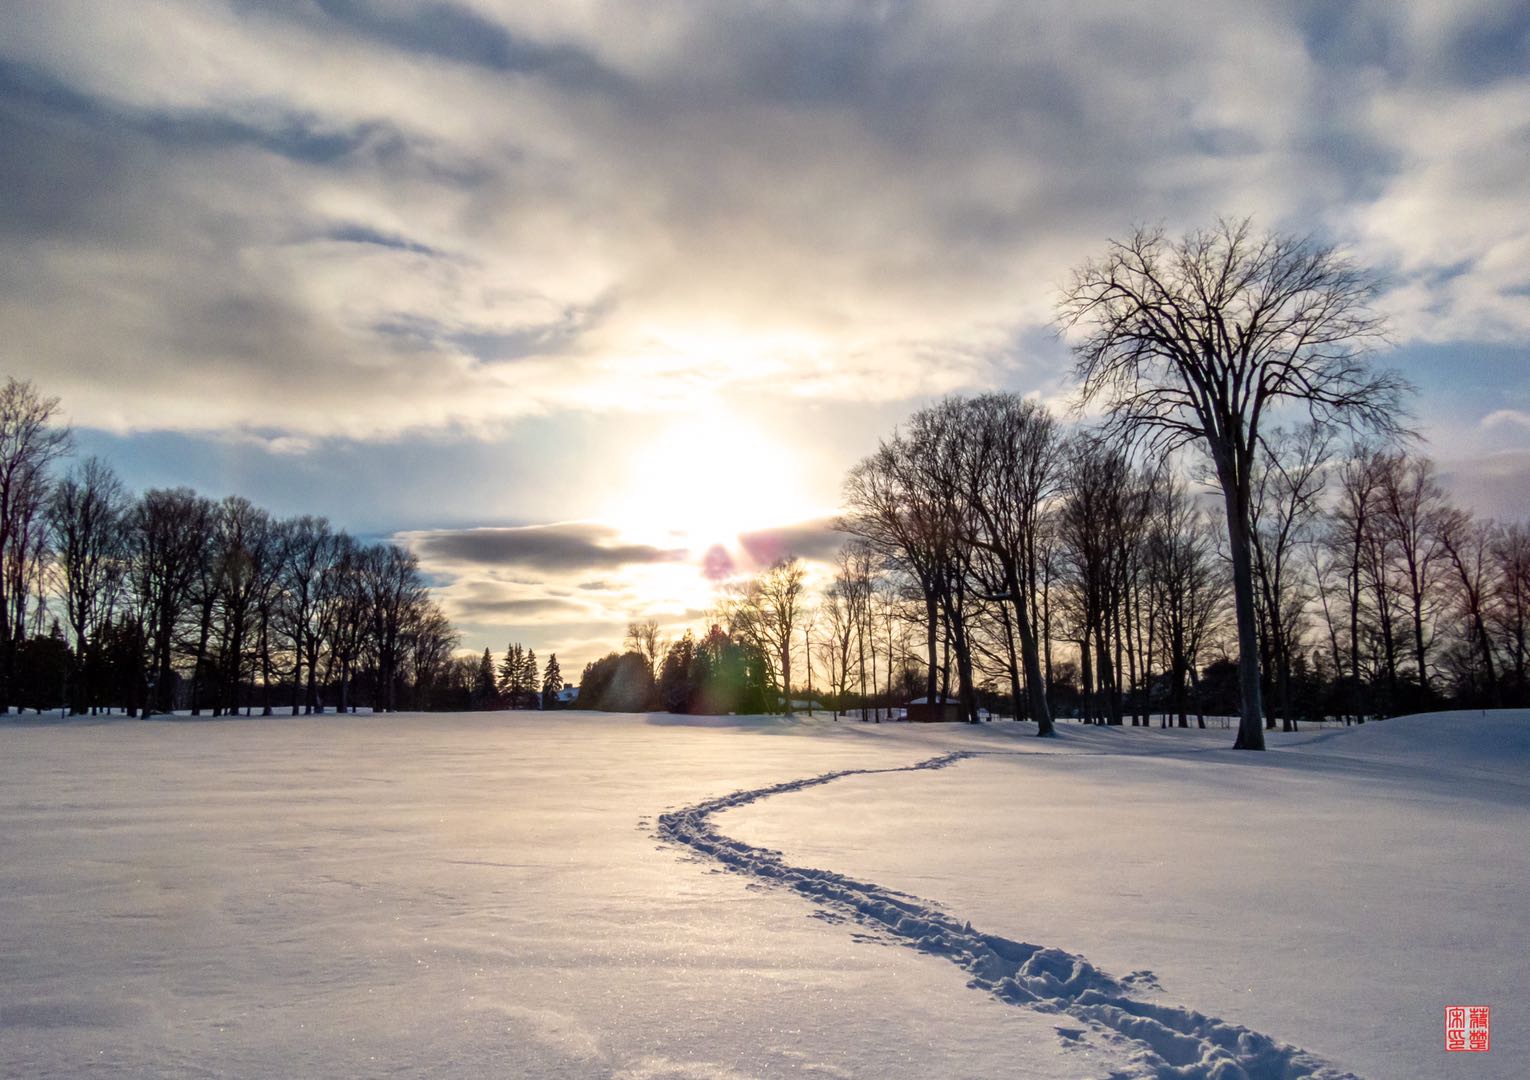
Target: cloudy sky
588, 300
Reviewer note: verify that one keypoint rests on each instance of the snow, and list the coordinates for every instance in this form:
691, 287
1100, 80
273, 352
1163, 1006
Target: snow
575, 894
1335, 893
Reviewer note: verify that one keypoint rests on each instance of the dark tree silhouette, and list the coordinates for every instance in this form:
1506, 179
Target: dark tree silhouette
1197, 340
86, 517
29, 443
552, 682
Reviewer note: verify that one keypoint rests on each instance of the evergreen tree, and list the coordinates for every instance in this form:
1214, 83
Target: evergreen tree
510, 672
676, 688
729, 675
617, 683
552, 682
485, 695
530, 699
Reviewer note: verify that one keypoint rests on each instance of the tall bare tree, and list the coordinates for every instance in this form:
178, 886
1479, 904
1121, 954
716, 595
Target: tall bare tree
1469, 546
171, 533
1197, 340
1288, 484
311, 548
86, 513
1180, 546
244, 562
837, 612
1413, 508
1511, 613
769, 612
889, 506
643, 639
395, 593
30, 441
1009, 469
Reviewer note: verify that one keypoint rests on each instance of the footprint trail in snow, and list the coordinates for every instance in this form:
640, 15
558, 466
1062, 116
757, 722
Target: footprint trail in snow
1166, 1042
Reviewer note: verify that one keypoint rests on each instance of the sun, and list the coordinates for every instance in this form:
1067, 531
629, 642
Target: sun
705, 477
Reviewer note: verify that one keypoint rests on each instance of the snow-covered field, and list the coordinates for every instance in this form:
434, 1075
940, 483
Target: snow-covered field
581, 895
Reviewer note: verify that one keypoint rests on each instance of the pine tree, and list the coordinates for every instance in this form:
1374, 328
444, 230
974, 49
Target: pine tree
552, 682
509, 672
484, 695
529, 681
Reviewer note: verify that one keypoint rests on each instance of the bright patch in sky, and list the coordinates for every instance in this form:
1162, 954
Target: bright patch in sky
706, 476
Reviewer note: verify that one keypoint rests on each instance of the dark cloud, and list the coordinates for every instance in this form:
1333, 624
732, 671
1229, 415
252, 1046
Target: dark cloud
288, 133
807, 539
557, 548
1492, 46
541, 339
453, 31
489, 607
361, 234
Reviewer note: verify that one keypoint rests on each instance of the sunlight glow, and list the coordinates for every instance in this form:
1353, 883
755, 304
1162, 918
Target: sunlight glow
705, 477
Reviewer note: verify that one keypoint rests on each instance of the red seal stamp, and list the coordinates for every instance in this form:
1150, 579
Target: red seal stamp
1468, 1029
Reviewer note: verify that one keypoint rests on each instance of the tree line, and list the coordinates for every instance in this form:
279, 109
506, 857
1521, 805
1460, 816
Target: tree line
1102, 586
514, 683
999, 557
1002, 559
171, 600
726, 670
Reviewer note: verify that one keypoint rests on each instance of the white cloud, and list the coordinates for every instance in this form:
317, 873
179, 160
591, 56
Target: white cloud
1506, 418
360, 228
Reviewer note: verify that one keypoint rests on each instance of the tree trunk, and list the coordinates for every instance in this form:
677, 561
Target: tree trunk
931, 623
1012, 662
1250, 720
1418, 641
1030, 657
1086, 677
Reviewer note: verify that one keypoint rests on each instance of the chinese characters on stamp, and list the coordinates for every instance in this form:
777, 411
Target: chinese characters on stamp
1467, 1028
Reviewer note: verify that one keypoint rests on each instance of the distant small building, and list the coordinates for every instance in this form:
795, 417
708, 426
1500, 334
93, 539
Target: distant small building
568, 695
944, 710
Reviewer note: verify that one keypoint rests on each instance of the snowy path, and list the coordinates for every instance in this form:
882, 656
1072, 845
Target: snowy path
1167, 1042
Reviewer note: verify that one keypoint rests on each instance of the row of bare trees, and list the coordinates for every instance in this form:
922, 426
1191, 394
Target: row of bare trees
952, 507
173, 600
1077, 575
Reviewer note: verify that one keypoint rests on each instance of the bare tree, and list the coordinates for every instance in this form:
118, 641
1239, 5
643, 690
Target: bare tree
1100, 521
394, 595
29, 444
1413, 506
889, 506
855, 581
86, 513
1010, 468
1511, 612
347, 618
1351, 534
244, 561
429, 640
1469, 546
643, 639
311, 548
769, 612
837, 612
171, 532
1288, 484
1196, 340
809, 623
1180, 559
